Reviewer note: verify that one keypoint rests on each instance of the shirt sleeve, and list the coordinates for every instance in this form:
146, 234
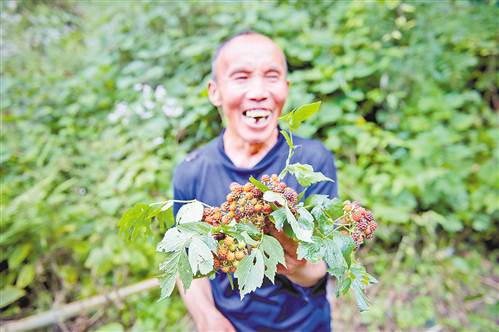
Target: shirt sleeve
180, 189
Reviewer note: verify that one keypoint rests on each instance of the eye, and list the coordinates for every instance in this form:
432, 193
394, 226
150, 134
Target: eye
241, 77
273, 76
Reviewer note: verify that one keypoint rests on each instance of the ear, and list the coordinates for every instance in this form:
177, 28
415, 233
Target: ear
214, 94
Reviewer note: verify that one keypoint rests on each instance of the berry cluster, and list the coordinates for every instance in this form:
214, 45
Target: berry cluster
362, 220
244, 204
229, 253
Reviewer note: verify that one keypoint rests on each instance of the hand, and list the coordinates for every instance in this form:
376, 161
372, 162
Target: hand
214, 321
299, 271
293, 264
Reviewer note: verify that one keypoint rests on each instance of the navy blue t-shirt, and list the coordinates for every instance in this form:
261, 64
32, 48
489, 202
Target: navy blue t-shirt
205, 175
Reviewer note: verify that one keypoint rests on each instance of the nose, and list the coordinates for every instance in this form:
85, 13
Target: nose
257, 91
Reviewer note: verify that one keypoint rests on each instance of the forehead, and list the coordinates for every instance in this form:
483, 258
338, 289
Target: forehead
252, 52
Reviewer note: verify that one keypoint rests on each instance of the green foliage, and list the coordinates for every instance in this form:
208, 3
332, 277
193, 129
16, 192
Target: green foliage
408, 92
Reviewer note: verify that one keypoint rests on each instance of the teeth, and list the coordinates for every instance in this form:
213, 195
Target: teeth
259, 113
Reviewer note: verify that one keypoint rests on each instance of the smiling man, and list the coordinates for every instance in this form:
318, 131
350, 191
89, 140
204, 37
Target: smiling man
249, 85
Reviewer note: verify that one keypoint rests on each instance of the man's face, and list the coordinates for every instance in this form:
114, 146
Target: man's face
251, 87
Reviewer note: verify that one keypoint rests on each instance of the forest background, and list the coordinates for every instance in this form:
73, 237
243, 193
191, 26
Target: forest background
100, 100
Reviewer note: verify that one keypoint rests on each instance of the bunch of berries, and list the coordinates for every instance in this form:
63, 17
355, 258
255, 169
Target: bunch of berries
244, 204
362, 221
229, 253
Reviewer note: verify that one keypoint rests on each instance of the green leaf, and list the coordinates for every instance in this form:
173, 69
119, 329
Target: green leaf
311, 251
301, 232
287, 138
263, 188
279, 217
315, 200
135, 222
9, 295
338, 252
360, 280
346, 245
190, 212
172, 241
302, 113
300, 196
200, 256
170, 268
273, 197
334, 207
19, 254
196, 227
305, 218
184, 270
250, 272
26, 276
273, 254
153, 212
305, 174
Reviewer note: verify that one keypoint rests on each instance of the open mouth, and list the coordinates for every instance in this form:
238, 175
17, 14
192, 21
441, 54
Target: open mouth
257, 117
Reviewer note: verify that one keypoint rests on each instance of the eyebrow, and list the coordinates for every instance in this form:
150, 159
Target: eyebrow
238, 71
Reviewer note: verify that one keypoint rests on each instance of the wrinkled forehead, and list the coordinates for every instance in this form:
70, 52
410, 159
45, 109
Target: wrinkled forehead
253, 52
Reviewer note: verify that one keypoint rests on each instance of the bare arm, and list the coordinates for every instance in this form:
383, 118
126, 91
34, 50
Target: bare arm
199, 301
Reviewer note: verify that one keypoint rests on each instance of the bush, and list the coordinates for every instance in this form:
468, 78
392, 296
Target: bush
100, 102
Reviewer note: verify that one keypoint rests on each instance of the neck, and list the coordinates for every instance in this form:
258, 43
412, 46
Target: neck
246, 154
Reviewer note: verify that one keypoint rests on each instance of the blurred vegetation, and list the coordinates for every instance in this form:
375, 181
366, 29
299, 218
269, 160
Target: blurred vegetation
100, 101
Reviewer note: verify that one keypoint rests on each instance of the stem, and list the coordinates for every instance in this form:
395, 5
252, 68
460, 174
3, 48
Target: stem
290, 154
190, 201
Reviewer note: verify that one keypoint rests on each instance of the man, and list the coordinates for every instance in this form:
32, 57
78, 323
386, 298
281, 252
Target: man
249, 85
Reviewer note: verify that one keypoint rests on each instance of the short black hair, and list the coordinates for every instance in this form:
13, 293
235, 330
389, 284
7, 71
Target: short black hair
227, 41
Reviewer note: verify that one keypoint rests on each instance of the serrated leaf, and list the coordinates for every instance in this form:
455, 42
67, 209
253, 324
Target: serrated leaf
302, 113
250, 272
333, 257
173, 240
10, 294
273, 254
134, 221
248, 239
346, 245
184, 270
196, 227
305, 174
273, 197
311, 251
279, 217
200, 256
306, 219
334, 207
167, 284
360, 280
170, 268
190, 212
315, 200
153, 212
301, 233
263, 188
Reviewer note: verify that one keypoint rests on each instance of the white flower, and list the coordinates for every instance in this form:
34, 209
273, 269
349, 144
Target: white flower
158, 141
149, 104
160, 92
137, 87
146, 91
